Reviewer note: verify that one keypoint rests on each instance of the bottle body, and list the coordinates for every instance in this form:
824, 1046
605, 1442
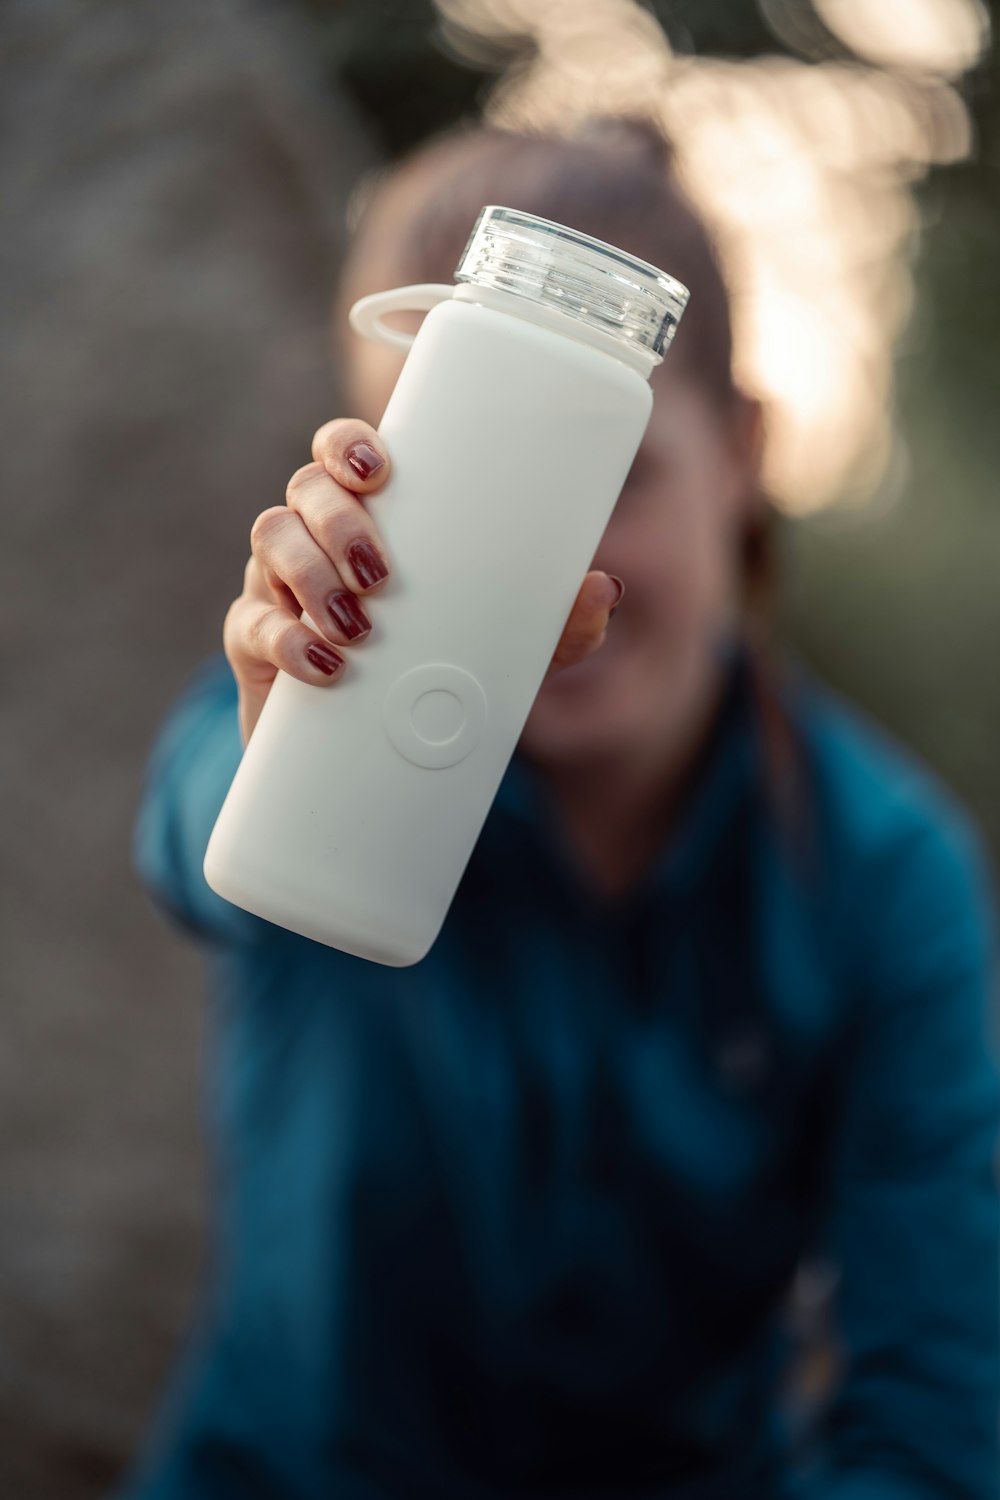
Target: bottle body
356, 807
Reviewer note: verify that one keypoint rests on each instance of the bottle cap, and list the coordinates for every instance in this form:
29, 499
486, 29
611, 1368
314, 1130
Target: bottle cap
560, 268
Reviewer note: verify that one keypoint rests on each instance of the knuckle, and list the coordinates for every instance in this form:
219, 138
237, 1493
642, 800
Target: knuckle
231, 618
263, 630
298, 574
266, 527
300, 479
323, 436
240, 637
338, 522
231, 626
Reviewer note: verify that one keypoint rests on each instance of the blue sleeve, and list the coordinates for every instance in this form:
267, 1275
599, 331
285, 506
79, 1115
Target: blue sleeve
192, 764
916, 1226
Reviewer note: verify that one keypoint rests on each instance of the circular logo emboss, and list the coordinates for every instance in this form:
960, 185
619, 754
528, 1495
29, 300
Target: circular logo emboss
435, 714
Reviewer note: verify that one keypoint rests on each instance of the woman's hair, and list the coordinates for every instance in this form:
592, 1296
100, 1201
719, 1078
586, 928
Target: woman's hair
612, 177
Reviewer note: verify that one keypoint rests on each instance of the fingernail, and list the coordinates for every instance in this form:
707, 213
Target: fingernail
348, 615
364, 460
368, 566
621, 593
321, 656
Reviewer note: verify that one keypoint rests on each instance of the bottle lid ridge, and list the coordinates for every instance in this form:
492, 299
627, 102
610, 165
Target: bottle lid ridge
555, 266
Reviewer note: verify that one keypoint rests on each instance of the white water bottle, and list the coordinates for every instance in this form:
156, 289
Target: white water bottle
355, 808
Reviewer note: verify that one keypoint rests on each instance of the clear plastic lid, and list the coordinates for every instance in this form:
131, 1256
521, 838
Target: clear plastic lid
560, 268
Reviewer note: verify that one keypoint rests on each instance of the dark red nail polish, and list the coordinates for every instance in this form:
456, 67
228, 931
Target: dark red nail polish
321, 656
364, 460
621, 593
368, 566
348, 615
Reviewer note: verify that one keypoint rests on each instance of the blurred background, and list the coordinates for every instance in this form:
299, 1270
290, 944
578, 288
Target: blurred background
176, 183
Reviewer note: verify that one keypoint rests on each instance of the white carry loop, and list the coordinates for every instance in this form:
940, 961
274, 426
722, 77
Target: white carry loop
366, 315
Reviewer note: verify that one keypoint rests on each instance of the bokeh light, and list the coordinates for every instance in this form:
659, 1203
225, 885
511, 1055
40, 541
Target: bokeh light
805, 169
936, 36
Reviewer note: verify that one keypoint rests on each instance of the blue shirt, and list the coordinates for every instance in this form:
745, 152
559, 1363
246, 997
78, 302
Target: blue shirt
521, 1219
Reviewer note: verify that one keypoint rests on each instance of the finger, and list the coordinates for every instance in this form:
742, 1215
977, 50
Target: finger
292, 559
260, 639
260, 582
599, 596
340, 525
352, 453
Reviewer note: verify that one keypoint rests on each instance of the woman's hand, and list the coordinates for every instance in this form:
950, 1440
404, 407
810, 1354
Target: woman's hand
320, 553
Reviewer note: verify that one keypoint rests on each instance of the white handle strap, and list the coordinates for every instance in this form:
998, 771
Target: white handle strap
365, 316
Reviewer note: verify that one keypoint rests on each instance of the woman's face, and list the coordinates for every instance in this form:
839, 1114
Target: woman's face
673, 540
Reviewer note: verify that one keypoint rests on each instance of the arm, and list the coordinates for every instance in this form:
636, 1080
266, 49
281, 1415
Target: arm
915, 1224
193, 761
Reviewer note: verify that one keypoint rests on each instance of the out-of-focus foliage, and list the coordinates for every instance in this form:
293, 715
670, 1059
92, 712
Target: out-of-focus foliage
391, 58
900, 604
897, 602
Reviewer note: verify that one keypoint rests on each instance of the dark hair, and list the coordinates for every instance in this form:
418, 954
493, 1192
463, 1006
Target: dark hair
612, 177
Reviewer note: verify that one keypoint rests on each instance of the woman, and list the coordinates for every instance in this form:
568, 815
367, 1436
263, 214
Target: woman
712, 997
